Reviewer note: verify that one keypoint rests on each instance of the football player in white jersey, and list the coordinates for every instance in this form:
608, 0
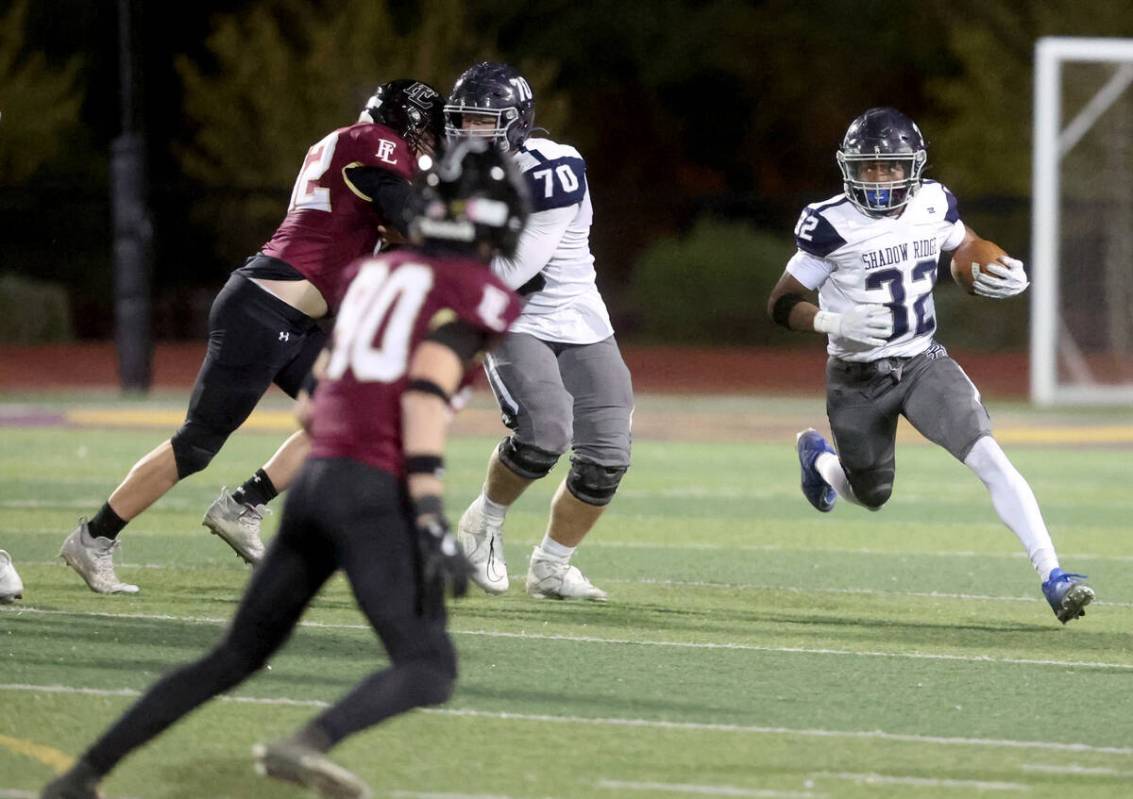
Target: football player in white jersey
871, 253
558, 375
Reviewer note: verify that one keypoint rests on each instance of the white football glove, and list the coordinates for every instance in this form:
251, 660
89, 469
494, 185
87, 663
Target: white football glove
865, 324
1000, 280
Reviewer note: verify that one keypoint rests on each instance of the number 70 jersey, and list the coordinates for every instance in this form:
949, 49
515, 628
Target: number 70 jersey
393, 303
855, 259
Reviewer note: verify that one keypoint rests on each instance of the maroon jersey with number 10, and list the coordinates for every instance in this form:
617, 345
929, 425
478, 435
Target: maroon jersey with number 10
328, 224
391, 305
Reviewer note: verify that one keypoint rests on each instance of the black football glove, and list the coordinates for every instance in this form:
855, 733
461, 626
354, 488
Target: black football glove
444, 569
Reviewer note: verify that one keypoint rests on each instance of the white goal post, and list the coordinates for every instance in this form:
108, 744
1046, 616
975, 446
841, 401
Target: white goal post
1082, 222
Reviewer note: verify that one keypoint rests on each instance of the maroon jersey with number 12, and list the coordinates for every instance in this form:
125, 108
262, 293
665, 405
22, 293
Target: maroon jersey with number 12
328, 224
391, 305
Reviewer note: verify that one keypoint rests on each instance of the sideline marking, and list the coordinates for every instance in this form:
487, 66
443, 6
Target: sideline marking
49, 756
593, 639
705, 790
678, 726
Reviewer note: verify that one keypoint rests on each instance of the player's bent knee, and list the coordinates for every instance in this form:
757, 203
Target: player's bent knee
194, 447
526, 460
593, 483
873, 491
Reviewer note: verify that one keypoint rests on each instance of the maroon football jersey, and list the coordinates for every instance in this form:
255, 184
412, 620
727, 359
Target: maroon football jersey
327, 225
391, 305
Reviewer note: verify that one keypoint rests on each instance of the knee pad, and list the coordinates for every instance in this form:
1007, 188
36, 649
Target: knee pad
593, 484
194, 447
872, 489
526, 460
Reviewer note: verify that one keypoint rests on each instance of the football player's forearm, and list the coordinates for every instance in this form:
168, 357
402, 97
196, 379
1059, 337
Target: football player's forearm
793, 311
434, 374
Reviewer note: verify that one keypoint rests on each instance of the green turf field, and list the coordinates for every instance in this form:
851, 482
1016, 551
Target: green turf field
751, 648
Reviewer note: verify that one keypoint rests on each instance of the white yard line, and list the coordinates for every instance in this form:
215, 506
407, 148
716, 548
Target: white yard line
706, 790
655, 724
592, 639
920, 782
640, 723
519, 577
1074, 768
449, 795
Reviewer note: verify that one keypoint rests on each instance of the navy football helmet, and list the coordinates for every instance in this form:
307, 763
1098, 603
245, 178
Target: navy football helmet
472, 195
500, 97
411, 109
882, 157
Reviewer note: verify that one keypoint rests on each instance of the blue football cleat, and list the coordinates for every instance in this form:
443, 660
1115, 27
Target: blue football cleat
817, 491
1067, 594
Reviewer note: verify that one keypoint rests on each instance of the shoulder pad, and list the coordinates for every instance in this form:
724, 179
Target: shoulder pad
554, 182
814, 234
381, 147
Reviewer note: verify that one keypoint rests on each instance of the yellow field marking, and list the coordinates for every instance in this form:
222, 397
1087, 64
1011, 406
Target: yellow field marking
281, 421
284, 421
1117, 434
52, 758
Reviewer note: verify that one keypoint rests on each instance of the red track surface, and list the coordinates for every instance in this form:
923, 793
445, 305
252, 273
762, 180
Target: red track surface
655, 369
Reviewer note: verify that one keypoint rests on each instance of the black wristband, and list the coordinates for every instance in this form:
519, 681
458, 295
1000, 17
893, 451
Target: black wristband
425, 464
429, 505
309, 384
781, 312
428, 387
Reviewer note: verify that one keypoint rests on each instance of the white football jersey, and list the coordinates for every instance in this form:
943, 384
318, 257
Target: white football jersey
852, 258
556, 244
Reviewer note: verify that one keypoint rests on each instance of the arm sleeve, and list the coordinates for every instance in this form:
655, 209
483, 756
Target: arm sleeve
955, 236
808, 269
389, 193
537, 243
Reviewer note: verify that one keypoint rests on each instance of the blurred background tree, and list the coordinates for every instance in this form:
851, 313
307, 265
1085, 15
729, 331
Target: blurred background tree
39, 102
286, 72
698, 119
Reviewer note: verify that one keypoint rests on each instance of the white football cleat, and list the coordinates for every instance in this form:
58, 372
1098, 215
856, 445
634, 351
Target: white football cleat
11, 586
93, 559
238, 525
292, 762
483, 545
551, 578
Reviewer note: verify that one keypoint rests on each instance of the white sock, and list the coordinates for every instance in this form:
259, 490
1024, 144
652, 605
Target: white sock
554, 550
832, 472
1014, 502
494, 512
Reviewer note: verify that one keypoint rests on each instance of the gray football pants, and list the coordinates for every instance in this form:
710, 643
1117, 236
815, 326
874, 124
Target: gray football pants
863, 401
556, 396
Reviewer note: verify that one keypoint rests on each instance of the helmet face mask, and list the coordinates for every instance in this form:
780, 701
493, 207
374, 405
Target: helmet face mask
491, 101
882, 158
473, 200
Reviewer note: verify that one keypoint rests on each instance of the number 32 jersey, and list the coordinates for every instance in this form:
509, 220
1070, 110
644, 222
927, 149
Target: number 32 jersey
855, 259
392, 304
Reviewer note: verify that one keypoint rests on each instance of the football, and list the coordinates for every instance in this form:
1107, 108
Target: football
980, 251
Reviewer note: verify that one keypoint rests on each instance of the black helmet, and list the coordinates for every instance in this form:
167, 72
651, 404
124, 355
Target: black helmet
472, 195
888, 136
410, 109
495, 91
